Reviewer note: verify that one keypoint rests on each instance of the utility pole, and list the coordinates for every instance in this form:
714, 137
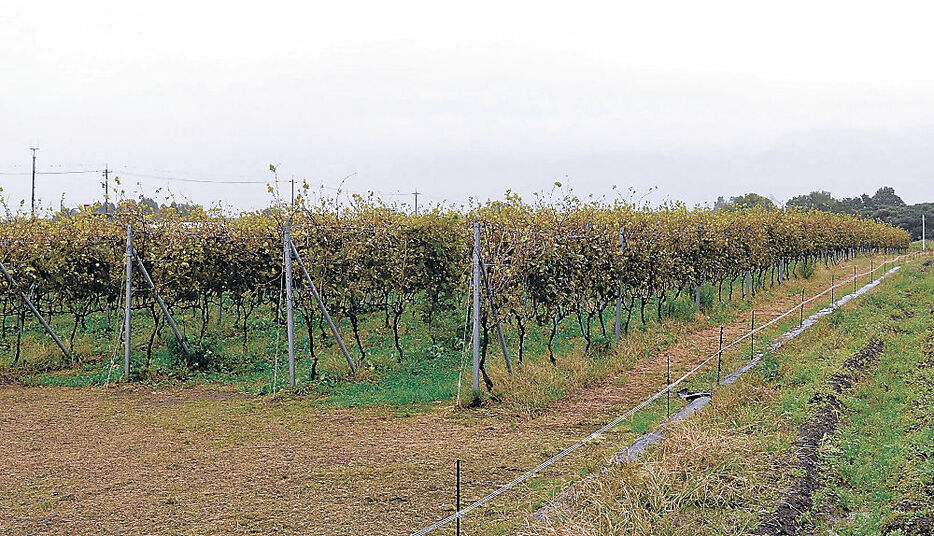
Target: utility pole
415, 193
293, 190
32, 203
106, 189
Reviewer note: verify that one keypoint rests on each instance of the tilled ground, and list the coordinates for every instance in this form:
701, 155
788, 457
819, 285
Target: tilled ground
784, 520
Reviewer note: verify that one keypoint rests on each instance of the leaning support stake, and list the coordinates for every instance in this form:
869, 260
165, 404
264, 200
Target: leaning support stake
35, 312
162, 305
324, 310
495, 313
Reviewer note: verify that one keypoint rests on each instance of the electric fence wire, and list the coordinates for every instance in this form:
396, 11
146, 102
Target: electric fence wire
602, 430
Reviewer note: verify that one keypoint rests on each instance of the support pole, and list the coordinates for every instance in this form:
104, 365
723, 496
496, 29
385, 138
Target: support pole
35, 312
832, 286
287, 264
719, 354
854, 278
457, 471
323, 309
162, 305
924, 244
801, 321
668, 379
129, 298
752, 336
476, 307
495, 313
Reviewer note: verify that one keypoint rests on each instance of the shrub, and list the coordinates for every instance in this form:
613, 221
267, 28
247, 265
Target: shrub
806, 268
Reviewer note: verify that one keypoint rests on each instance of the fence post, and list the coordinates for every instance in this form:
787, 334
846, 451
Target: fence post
668, 379
287, 264
457, 511
476, 307
832, 300
752, 336
872, 276
619, 295
854, 278
801, 322
129, 298
719, 354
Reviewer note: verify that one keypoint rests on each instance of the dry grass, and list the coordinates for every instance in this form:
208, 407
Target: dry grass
707, 475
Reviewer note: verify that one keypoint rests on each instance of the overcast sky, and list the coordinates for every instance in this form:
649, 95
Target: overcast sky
695, 99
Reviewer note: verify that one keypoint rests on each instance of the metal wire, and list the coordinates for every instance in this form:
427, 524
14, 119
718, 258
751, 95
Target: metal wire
612, 424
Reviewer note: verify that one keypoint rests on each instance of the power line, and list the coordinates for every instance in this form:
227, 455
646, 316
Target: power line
181, 179
75, 172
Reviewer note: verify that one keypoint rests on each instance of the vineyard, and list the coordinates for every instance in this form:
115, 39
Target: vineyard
384, 275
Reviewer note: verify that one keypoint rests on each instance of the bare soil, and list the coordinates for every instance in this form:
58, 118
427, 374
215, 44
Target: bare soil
203, 461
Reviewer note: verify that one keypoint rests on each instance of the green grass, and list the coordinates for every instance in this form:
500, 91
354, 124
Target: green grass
880, 468
878, 474
429, 371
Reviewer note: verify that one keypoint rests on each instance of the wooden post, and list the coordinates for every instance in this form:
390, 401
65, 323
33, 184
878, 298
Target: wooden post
495, 313
287, 264
323, 309
752, 336
35, 312
719, 354
476, 307
668, 379
457, 471
165, 309
801, 321
129, 297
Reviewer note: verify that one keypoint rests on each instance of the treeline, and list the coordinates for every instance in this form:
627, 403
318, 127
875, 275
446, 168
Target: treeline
885, 205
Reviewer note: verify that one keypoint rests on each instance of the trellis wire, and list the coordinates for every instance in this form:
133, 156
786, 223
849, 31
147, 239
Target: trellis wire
612, 424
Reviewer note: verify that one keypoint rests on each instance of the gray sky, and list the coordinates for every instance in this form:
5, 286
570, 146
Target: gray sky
695, 99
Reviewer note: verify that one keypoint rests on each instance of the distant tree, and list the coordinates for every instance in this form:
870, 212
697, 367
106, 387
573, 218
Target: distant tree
820, 200
886, 197
751, 200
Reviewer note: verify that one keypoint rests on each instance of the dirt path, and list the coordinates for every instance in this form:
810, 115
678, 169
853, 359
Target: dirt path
197, 461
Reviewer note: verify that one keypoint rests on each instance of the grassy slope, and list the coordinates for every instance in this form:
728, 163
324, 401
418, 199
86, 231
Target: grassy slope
720, 471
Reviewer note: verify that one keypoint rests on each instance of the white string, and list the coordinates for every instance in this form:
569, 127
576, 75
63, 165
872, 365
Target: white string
612, 424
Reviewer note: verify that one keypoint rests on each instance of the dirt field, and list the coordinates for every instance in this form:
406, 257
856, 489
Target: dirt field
200, 461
